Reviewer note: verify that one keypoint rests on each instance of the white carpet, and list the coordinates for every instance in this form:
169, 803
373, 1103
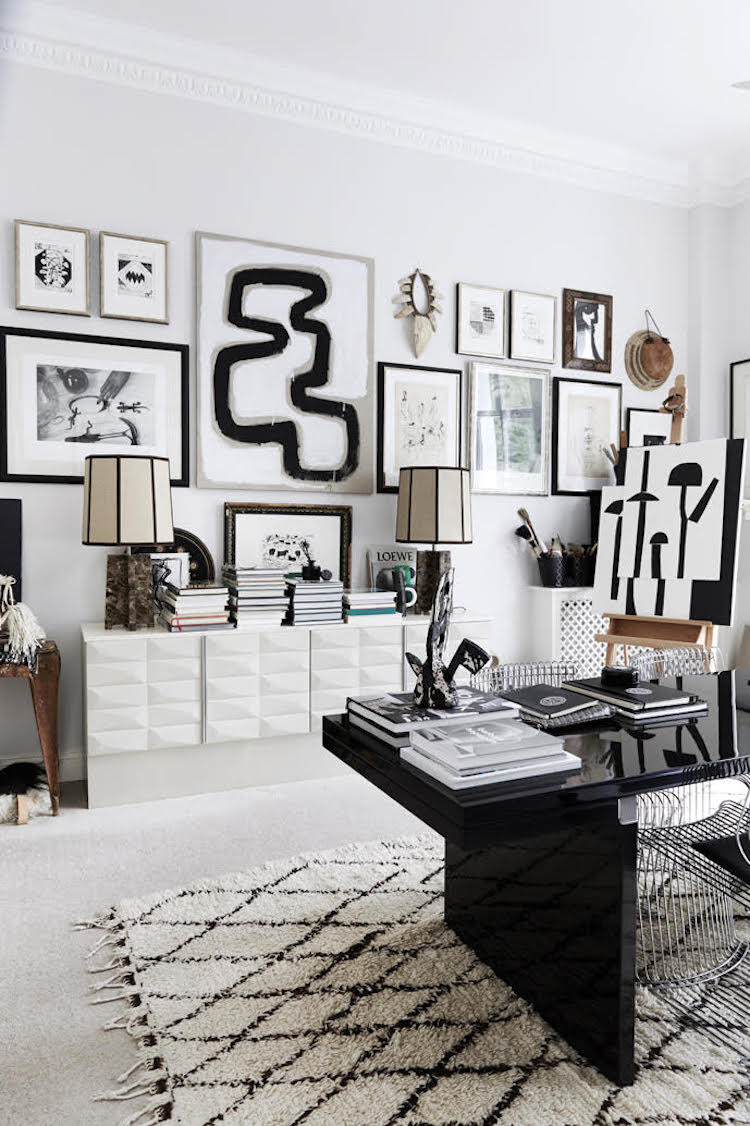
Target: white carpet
53, 1055
327, 990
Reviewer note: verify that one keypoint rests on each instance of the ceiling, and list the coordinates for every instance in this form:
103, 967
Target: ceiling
647, 77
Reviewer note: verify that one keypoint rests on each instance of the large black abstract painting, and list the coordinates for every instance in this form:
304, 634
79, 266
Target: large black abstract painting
668, 535
284, 367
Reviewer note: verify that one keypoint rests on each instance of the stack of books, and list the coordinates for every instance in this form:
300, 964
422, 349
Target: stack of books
256, 595
548, 706
358, 603
645, 703
314, 601
484, 752
200, 606
392, 718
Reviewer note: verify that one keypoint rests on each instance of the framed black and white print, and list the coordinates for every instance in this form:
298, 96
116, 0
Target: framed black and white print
647, 427
509, 429
65, 396
585, 422
52, 268
533, 318
419, 419
272, 535
480, 320
587, 330
284, 367
739, 409
133, 279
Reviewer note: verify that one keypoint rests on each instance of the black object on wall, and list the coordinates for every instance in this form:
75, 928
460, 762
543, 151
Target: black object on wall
10, 542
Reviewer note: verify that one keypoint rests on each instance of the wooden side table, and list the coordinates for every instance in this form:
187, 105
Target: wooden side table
44, 690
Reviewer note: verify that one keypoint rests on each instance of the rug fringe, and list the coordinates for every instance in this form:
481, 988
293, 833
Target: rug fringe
147, 1076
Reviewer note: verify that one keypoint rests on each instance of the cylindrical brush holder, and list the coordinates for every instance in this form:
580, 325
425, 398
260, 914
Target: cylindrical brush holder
579, 570
551, 570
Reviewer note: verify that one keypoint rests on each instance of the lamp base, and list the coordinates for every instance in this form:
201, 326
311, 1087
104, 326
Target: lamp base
130, 592
430, 566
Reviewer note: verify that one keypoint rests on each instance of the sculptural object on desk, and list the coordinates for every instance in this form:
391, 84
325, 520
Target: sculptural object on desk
435, 687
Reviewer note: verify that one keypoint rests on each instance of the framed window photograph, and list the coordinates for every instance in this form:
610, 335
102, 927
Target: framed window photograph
480, 321
64, 396
647, 427
52, 268
739, 409
587, 330
509, 430
133, 278
533, 319
272, 535
585, 422
419, 419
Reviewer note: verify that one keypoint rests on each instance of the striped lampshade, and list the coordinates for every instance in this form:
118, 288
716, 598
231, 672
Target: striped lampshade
127, 501
434, 505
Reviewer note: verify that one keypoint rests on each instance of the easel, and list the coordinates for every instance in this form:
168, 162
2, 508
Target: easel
658, 633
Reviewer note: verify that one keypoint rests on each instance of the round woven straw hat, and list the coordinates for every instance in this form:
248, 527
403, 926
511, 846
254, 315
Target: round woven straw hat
648, 359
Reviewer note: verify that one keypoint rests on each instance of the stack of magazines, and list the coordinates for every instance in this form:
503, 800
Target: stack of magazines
256, 595
482, 752
644, 703
358, 603
392, 718
202, 606
314, 601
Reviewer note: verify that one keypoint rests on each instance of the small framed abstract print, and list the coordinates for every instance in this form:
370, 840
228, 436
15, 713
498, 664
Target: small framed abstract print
585, 423
509, 430
64, 396
533, 319
647, 427
133, 278
480, 321
52, 268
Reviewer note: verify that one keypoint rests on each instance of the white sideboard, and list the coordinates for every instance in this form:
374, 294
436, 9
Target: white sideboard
167, 714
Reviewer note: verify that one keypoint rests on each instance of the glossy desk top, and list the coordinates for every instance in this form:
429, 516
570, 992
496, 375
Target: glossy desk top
615, 762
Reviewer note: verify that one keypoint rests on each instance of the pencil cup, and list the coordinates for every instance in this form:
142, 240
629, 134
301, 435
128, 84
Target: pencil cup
579, 570
551, 570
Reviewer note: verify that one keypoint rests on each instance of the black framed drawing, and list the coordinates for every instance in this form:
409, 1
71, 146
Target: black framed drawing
10, 542
647, 427
739, 405
272, 535
64, 396
585, 422
587, 330
420, 419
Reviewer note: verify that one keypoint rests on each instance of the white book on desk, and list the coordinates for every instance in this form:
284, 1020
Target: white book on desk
554, 763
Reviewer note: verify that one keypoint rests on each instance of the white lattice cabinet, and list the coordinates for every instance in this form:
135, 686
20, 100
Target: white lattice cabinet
562, 627
170, 714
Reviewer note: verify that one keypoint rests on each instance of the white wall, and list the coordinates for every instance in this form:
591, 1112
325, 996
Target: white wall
88, 154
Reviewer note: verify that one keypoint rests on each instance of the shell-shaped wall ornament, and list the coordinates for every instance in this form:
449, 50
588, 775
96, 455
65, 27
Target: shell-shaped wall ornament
418, 298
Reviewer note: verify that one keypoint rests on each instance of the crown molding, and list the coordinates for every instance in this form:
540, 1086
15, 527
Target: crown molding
70, 43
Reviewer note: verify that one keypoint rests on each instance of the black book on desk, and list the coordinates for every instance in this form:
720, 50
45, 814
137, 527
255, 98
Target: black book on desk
638, 698
546, 701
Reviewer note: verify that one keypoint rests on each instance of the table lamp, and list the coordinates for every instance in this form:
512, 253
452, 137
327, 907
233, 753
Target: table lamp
127, 501
434, 506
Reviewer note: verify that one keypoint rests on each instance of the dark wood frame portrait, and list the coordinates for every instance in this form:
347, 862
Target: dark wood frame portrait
340, 512
9, 409
571, 297
425, 372
556, 383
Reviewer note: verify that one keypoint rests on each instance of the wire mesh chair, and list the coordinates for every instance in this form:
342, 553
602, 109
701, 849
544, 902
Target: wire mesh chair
504, 678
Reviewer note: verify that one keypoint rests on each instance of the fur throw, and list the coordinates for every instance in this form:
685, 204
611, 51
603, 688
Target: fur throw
23, 778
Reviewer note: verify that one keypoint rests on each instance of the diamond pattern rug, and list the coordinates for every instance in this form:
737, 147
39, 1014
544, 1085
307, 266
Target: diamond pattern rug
327, 990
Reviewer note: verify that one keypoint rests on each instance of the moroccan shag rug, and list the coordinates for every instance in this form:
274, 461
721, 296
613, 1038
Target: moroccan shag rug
326, 990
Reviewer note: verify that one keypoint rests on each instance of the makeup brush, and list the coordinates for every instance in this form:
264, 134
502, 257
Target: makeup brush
525, 516
524, 534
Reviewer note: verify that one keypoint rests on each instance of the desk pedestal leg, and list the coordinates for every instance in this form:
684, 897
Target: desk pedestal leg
44, 686
553, 913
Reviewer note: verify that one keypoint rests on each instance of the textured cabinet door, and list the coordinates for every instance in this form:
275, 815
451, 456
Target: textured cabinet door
232, 686
116, 696
353, 661
284, 683
174, 674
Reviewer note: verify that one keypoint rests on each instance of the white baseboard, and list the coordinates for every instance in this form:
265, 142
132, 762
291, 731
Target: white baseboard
72, 765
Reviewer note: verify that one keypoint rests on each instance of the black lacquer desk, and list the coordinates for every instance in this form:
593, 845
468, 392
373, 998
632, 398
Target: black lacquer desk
540, 875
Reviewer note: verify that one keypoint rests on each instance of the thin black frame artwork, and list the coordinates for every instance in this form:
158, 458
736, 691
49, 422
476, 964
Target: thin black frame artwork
386, 434
340, 512
276, 325
11, 542
666, 420
569, 330
73, 350
738, 404
615, 434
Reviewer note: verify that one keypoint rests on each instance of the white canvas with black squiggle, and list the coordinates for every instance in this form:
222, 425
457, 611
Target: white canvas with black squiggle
327, 990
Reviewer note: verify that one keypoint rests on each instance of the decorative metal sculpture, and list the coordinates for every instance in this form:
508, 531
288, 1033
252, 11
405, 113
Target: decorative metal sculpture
434, 687
425, 314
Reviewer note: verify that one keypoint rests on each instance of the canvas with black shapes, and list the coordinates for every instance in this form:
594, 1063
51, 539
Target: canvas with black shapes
668, 534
